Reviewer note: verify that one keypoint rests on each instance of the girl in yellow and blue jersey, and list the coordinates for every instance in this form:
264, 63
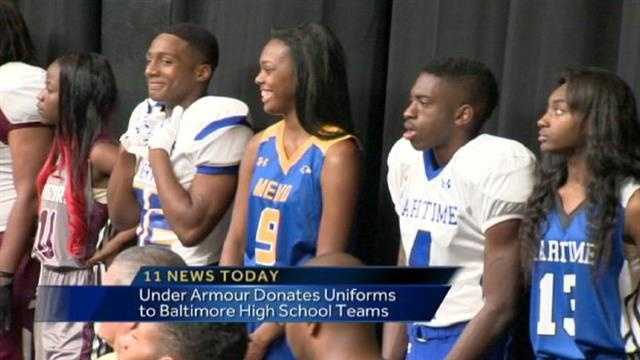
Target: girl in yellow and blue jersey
298, 180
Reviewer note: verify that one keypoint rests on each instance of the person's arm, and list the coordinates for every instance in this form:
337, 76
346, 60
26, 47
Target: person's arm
340, 182
124, 211
29, 147
194, 212
112, 247
394, 334
500, 286
103, 157
235, 241
261, 339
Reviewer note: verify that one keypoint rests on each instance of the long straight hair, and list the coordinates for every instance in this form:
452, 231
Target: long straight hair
606, 105
87, 96
322, 92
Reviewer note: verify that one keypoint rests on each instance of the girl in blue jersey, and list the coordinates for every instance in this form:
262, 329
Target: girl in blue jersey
584, 208
298, 179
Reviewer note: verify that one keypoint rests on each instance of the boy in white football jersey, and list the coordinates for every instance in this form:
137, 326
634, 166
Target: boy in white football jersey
459, 197
181, 151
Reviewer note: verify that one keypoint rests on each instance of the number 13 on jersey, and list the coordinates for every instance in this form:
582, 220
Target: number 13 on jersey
546, 325
267, 237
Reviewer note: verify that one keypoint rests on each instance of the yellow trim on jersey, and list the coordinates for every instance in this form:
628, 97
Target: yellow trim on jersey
286, 162
164, 237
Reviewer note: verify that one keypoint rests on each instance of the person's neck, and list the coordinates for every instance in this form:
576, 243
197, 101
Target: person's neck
294, 135
444, 153
292, 126
577, 170
342, 346
188, 100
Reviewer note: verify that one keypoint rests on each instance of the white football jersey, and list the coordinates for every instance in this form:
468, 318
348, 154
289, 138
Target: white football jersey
629, 285
19, 87
445, 212
212, 137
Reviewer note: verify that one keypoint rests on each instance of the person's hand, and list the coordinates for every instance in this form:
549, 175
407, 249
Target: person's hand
5, 305
112, 247
106, 253
136, 139
165, 136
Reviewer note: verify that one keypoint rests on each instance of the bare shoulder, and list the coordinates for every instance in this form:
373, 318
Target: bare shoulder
102, 149
103, 156
343, 152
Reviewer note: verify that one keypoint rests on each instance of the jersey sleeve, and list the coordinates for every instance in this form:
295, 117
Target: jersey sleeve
223, 154
219, 130
19, 89
395, 174
630, 282
500, 192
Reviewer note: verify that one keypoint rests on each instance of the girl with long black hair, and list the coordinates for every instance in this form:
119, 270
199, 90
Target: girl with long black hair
583, 210
78, 99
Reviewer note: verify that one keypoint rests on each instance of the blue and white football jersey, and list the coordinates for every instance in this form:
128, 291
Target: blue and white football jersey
575, 311
212, 137
285, 200
444, 212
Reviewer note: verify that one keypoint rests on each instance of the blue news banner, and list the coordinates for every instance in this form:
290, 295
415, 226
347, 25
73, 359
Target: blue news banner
286, 294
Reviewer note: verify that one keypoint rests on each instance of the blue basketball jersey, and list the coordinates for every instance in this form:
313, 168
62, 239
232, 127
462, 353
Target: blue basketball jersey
575, 309
285, 207
285, 200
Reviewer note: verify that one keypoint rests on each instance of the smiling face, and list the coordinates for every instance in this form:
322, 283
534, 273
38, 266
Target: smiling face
429, 118
560, 130
174, 71
49, 97
277, 79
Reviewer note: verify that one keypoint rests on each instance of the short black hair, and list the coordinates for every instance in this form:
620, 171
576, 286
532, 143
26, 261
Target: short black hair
204, 341
201, 39
472, 77
15, 41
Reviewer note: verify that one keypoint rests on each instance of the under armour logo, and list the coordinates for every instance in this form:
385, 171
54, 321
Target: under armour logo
446, 183
262, 161
305, 169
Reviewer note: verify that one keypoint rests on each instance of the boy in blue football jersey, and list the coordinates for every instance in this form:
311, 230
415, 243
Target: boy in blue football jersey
584, 208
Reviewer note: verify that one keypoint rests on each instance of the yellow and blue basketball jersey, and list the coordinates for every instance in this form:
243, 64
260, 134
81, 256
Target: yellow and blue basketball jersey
285, 200
576, 309
285, 208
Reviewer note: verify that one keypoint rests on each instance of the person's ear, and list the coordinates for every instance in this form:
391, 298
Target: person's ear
464, 115
313, 328
203, 72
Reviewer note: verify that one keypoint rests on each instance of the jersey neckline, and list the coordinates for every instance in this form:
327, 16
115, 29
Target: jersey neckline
431, 167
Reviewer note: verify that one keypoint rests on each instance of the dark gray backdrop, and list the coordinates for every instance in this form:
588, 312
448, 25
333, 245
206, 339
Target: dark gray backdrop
525, 42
